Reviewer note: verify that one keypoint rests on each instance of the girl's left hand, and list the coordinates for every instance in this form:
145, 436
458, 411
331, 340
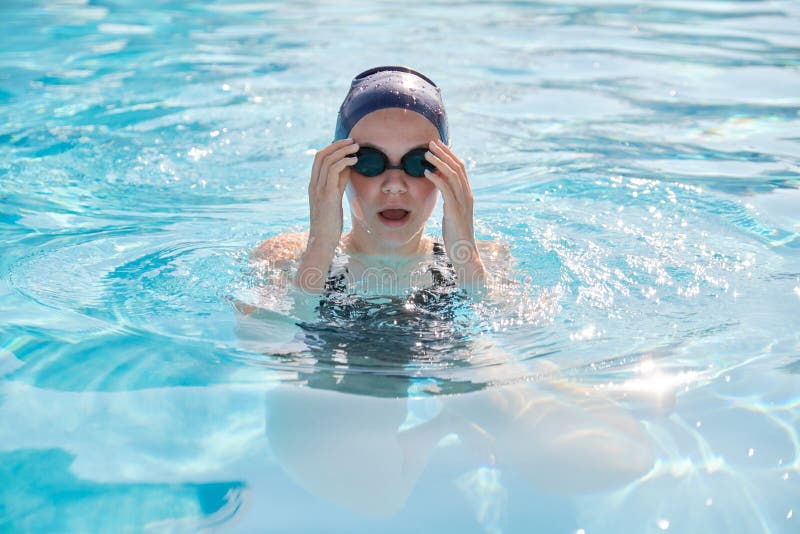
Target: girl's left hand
458, 228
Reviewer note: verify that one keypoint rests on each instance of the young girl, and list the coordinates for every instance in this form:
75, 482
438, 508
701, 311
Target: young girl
374, 359
391, 156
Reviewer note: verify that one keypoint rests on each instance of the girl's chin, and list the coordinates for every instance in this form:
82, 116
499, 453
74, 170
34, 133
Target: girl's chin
396, 232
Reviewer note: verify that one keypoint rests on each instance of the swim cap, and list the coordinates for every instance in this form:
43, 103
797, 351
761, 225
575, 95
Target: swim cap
391, 87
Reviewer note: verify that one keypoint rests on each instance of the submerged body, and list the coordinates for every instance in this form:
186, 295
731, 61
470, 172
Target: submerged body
394, 325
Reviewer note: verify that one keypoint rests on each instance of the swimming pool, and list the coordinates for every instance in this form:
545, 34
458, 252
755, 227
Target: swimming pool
639, 371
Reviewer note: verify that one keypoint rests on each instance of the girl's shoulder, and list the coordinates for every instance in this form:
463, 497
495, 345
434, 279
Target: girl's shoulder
281, 249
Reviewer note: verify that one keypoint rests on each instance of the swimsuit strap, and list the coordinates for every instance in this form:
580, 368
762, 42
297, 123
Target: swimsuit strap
442, 278
441, 271
336, 283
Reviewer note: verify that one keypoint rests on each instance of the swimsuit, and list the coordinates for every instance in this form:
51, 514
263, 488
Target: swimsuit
339, 305
382, 345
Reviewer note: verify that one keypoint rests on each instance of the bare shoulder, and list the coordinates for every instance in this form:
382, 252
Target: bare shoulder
282, 248
495, 254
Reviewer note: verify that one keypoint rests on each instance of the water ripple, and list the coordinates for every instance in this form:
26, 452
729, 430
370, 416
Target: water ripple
629, 154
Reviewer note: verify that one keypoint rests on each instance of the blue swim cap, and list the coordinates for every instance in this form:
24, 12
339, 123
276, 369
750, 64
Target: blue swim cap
391, 87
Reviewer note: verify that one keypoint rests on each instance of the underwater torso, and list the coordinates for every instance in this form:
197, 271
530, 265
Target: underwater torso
372, 341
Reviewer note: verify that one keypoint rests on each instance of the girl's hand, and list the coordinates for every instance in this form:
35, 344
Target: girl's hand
458, 229
329, 176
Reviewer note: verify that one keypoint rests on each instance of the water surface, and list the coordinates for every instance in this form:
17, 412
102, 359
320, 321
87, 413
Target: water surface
637, 372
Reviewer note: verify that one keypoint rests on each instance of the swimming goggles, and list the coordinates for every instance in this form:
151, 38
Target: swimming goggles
372, 162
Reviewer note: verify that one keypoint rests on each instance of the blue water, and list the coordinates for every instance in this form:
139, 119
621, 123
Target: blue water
637, 370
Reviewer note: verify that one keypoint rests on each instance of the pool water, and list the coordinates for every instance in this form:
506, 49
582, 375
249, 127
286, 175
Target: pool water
637, 369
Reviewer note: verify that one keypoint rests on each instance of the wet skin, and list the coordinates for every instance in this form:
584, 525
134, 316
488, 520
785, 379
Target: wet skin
390, 210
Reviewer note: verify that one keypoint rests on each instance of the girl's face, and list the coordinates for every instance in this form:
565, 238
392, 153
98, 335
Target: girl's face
393, 207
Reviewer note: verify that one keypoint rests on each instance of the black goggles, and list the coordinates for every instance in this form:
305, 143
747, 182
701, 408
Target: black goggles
372, 162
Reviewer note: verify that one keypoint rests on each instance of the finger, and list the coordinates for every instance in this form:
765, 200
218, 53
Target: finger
331, 150
455, 163
441, 165
336, 162
327, 175
335, 178
320, 156
444, 153
341, 177
323, 153
442, 185
446, 172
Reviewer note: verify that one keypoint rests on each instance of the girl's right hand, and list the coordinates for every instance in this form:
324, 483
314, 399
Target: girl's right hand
329, 176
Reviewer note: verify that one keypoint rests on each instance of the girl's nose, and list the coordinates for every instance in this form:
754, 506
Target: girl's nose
394, 182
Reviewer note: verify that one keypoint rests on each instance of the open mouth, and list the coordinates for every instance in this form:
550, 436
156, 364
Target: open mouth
394, 217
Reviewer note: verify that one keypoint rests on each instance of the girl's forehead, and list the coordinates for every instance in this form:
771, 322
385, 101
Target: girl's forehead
400, 125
